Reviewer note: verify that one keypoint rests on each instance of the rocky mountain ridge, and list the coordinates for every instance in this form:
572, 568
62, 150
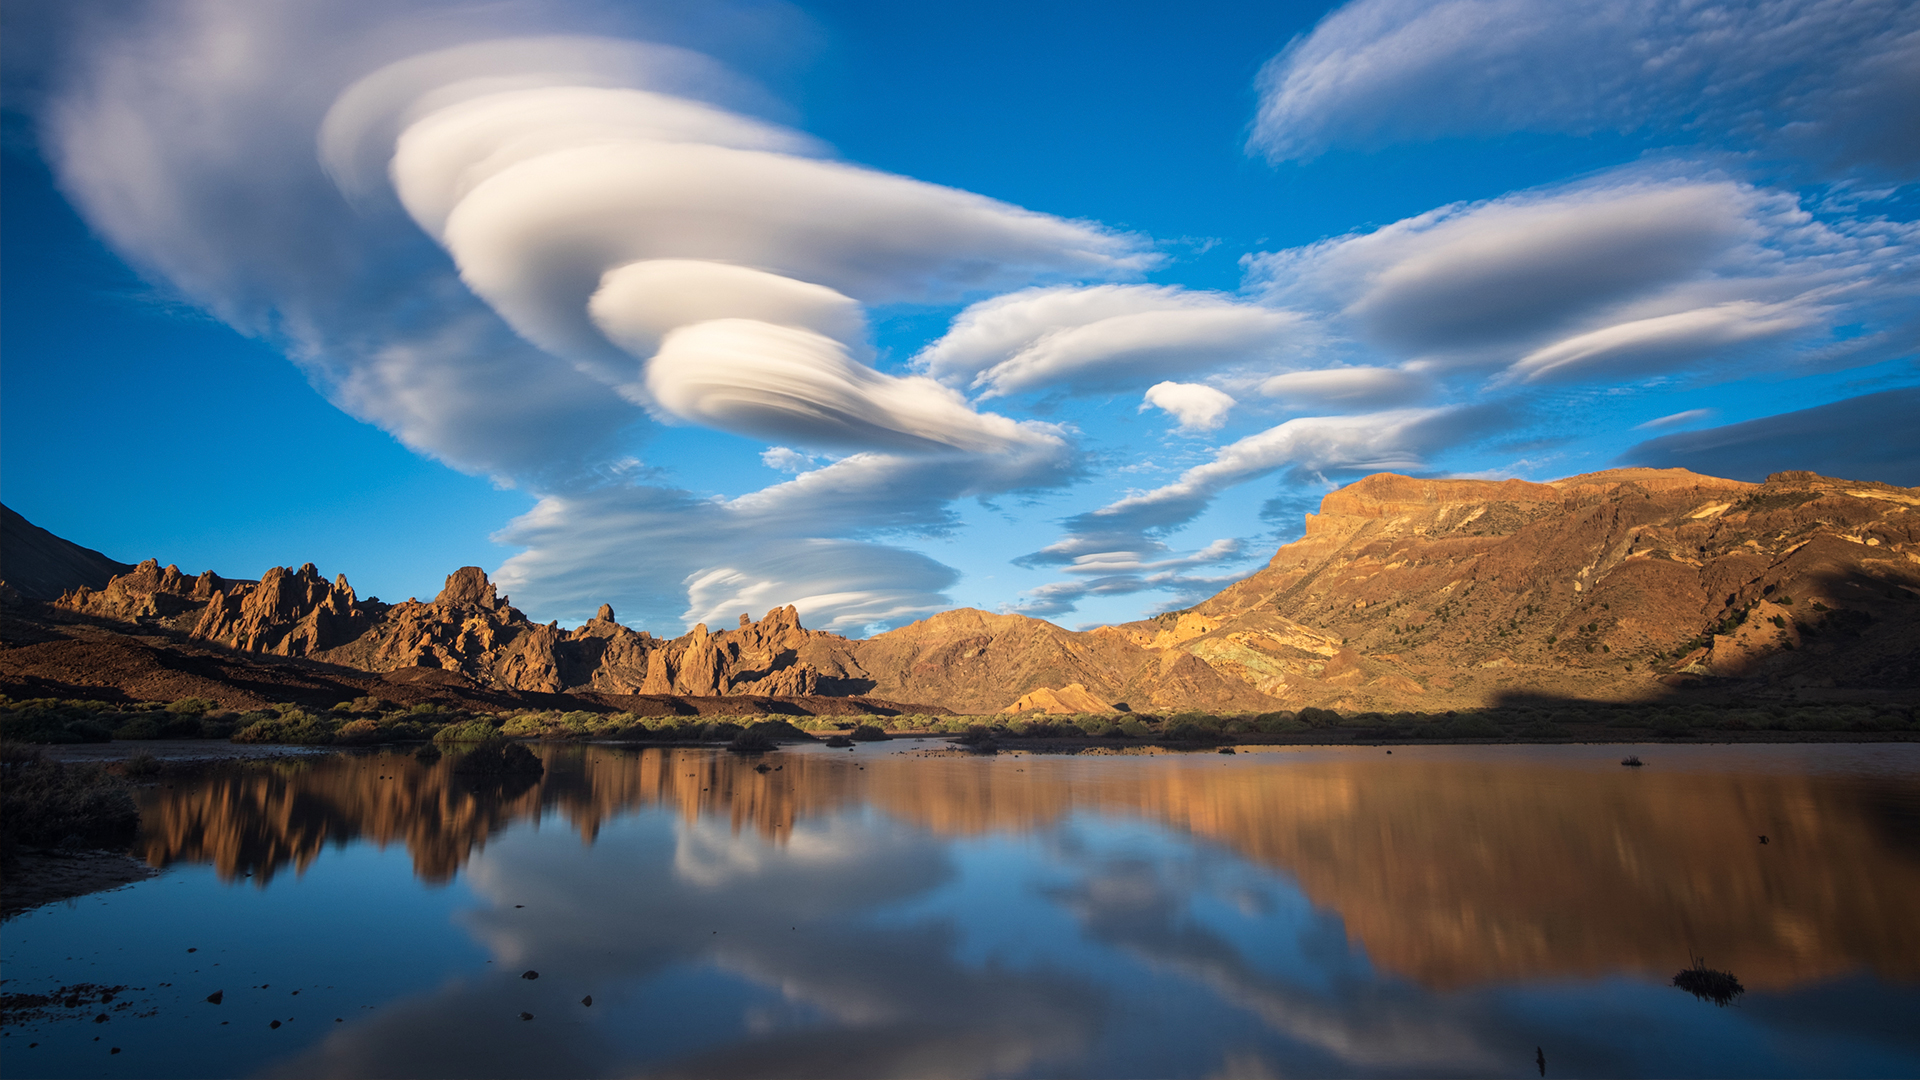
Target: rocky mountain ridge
1403, 594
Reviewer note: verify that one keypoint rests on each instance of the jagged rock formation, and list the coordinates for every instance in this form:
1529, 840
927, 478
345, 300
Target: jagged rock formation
1618, 585
41, 566
1403, 594
1069, 699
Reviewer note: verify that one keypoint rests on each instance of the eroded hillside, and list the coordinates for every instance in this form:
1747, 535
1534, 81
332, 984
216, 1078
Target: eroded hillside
1621, 585
1404, 594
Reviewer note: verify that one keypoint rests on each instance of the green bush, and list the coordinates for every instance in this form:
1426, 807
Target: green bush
140, 727
1313, 717
1096, 727
478, 729
57, 720
295, 727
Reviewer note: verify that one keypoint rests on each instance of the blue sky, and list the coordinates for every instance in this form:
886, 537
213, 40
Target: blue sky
879, 309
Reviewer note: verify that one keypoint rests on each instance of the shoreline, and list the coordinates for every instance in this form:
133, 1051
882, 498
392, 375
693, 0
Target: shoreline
209, 751
42, 876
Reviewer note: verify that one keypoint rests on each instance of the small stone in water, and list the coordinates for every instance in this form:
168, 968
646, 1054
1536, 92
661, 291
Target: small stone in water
587, 1001
530, 974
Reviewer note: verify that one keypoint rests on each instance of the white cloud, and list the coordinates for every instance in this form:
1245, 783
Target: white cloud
786, 459
1634, 348
1833, 81
625, 239
1635, 271
1123, 537
1370, 442
1674, 419
1196, 406
769, 381
1103, 336
1471, 275
542, 195
667, 552
1349, 388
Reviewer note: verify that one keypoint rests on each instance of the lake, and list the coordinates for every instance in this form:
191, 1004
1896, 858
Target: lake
905, 910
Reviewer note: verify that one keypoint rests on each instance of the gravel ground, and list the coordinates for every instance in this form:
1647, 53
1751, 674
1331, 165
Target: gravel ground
176, 750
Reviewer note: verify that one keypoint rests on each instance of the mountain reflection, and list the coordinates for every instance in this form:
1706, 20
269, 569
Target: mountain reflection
1450, 870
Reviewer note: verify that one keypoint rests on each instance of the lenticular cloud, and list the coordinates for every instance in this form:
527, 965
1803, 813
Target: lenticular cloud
706, 265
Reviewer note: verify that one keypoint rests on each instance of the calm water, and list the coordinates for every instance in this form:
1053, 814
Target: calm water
895, 912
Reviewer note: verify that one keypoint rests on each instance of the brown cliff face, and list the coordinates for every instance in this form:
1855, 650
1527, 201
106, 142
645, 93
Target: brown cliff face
1412, 594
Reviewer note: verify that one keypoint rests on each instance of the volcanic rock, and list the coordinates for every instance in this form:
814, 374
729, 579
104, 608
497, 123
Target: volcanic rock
1403, 594
1423, 594
1071, 698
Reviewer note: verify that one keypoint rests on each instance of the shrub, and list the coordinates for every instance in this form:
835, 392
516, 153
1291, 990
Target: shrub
1313, 717
52, 720
293, 726
359, 732
193, 705
142, 764
479, 729
140, 727
44, 803
1135, 728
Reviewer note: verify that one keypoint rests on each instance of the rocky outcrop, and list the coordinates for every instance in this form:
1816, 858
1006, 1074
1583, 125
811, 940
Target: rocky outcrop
150, 593
1069, 699
286, 613
1620, 585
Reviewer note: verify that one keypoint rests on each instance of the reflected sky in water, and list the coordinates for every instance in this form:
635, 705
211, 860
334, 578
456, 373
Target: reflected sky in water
899, 911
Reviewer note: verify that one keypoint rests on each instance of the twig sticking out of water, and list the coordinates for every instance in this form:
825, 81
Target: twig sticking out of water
1632, 760
1719, 987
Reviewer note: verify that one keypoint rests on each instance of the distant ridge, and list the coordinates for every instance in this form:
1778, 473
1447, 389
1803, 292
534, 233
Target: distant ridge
1405, 594
41, 566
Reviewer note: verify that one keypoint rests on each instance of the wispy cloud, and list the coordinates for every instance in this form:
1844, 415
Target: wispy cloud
1833, 82
1101, 337
1871, 435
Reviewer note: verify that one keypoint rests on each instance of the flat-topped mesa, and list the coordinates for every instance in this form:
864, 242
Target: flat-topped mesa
1390, 494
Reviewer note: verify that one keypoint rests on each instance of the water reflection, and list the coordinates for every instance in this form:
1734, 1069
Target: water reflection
1448, 870
897, 912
